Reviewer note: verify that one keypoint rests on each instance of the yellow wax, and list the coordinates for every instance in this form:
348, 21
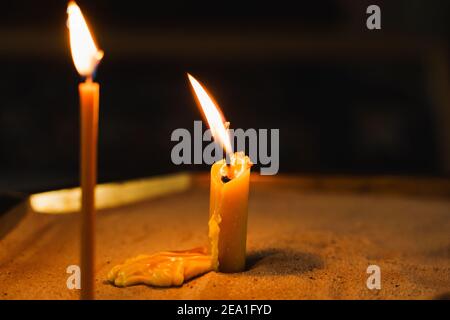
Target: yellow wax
228, 213
89, 104
163, 269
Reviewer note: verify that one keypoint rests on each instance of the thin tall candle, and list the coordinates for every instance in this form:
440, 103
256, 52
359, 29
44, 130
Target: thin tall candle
86, 57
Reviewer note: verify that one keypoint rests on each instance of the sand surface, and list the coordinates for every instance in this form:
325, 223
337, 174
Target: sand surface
301, 245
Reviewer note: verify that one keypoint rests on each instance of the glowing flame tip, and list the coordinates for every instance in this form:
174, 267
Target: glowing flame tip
213, 115
85, 54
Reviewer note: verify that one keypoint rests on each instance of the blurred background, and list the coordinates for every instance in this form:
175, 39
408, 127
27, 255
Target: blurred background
347, 100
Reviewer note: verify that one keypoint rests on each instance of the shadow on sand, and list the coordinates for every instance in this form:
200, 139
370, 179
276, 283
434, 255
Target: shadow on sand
276, 261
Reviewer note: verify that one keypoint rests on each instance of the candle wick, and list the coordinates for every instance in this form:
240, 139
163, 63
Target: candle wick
229, 173
225, 179
89, 79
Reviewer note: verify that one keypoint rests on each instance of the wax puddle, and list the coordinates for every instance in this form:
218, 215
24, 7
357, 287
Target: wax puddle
163, 269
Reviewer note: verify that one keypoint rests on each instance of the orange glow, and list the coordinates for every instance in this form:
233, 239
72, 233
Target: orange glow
213, 116
85, 54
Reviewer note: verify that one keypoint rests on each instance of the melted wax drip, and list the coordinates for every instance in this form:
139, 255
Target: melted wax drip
163, 269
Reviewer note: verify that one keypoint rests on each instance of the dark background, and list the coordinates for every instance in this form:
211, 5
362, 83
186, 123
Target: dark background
347, 100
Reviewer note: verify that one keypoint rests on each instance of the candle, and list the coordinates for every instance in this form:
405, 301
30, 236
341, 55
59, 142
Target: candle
86, 57
228, 193
228, 213
227, 220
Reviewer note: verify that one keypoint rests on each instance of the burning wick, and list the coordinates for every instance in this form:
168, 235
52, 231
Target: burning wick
225, 179
227, 219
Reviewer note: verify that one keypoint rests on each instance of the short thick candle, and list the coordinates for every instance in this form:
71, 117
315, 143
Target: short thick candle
229, 191
228, 213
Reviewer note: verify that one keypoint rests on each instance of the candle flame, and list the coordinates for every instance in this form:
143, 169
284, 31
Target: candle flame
213, 116
85, 54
